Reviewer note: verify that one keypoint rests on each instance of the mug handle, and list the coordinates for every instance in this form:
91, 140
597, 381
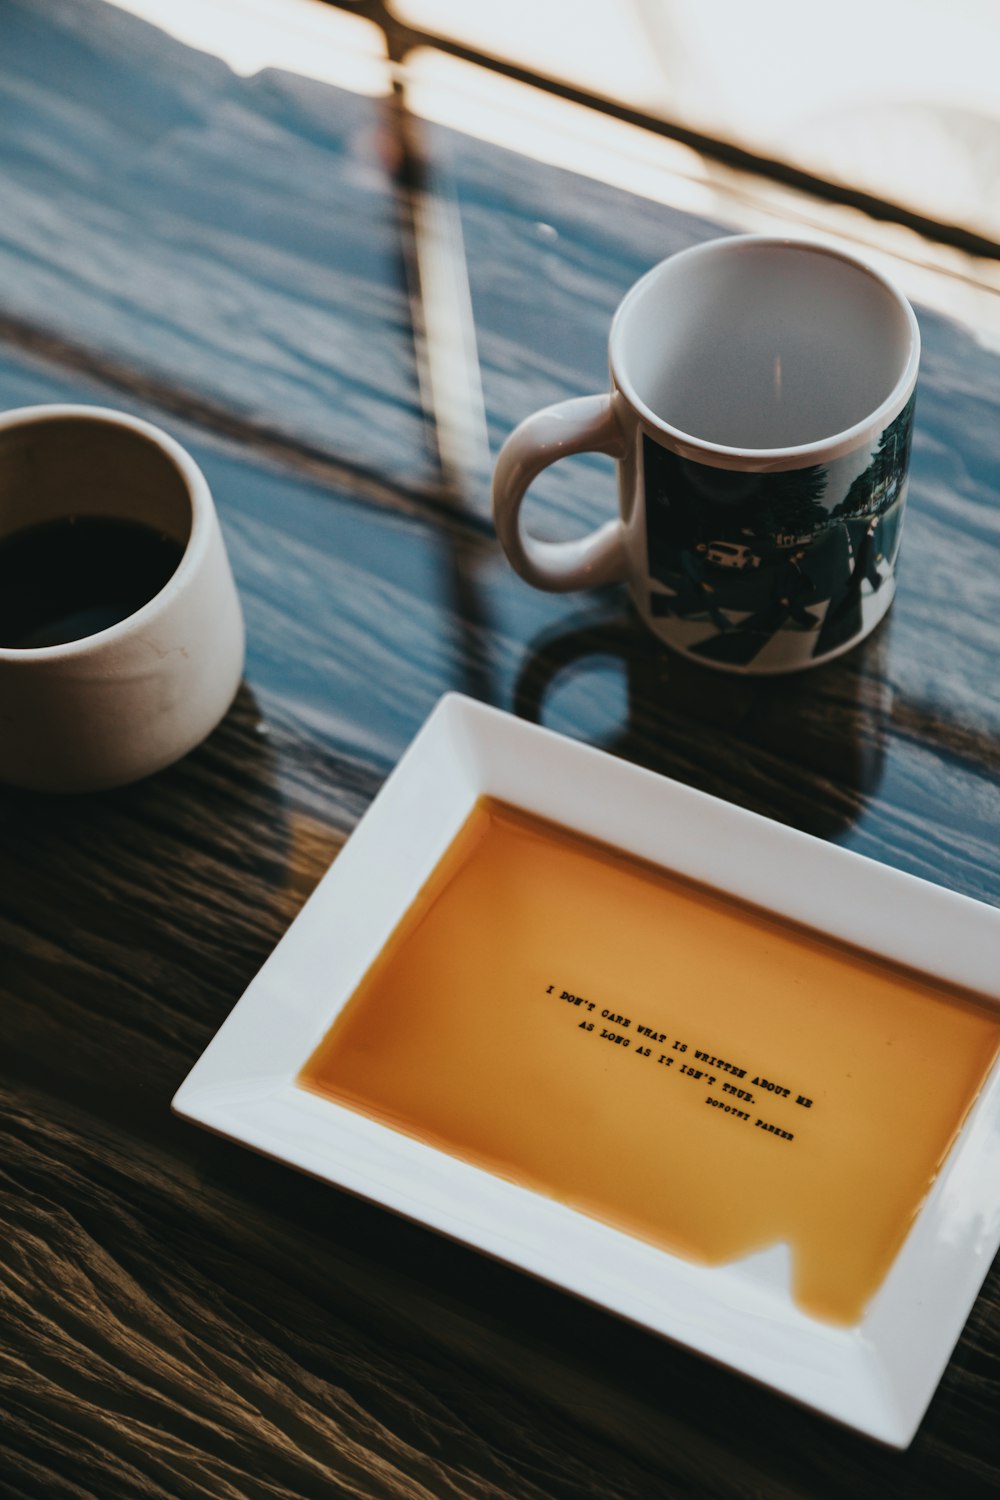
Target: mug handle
587, 424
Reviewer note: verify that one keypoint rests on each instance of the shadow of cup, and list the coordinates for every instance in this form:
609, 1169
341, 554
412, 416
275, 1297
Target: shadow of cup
807, 748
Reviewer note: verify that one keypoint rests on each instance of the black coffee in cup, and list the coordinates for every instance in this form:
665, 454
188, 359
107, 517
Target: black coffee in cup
66, 579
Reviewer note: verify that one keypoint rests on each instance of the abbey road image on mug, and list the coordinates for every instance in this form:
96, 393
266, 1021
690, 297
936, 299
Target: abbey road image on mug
737, 560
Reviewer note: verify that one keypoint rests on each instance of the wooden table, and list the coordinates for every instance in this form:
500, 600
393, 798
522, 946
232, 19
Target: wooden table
228, 257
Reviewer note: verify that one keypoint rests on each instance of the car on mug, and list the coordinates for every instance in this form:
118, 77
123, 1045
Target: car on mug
730, 555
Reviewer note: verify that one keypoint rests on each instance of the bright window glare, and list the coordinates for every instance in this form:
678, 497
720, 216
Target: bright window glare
299, 36
521, 118
547, 128
896, 97
600, 45
607, 46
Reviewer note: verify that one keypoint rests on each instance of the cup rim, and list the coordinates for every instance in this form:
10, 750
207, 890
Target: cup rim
723, 455
195, 548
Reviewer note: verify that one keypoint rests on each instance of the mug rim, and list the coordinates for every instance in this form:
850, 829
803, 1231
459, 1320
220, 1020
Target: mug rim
791, 455
195, 548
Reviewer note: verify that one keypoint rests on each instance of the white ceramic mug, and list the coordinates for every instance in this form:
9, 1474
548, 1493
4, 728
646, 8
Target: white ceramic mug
126, 700
760, 410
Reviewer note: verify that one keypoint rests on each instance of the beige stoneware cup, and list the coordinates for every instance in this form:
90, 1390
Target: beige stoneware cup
126, 701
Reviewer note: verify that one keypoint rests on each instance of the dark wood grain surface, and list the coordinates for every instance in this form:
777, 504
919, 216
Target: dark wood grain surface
181, 1318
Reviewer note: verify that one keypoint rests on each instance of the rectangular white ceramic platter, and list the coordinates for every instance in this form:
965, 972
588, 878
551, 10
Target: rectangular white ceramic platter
878, 1376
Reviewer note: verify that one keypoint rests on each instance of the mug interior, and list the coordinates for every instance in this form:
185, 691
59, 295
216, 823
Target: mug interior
762, 344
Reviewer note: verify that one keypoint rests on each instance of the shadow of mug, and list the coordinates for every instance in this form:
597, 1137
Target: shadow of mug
807, 749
